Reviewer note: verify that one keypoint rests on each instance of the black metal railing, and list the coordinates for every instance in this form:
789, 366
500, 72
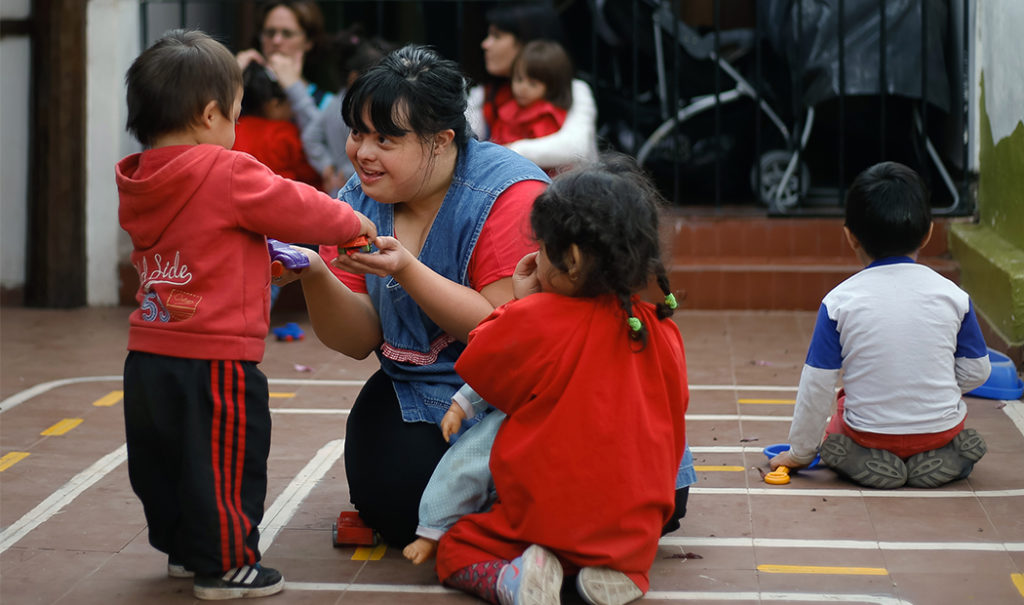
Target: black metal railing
770, 103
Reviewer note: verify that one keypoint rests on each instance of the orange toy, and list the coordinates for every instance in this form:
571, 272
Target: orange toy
779, 476
359, 244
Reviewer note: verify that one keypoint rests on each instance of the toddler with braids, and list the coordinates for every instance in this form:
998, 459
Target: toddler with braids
591, 381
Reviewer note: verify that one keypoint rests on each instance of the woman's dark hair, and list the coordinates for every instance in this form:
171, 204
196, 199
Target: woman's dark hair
547, 62
172, 81
259, 88
316, 63
413, 85
526, 21
888, 210
610, 211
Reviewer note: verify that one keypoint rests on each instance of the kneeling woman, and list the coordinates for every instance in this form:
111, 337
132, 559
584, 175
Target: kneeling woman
453, 218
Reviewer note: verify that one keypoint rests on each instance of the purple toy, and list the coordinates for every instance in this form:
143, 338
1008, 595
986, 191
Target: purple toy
283, 256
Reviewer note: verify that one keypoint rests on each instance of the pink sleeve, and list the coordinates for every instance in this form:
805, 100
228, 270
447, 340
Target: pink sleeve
354, 281
506, 236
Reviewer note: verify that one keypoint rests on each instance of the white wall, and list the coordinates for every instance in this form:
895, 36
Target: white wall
14, 105
112, 34
999, 55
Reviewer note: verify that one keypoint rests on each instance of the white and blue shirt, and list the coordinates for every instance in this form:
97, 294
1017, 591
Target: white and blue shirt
907, 343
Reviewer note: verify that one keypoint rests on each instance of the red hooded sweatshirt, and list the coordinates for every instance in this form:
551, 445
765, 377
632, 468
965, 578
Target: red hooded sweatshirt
198, 217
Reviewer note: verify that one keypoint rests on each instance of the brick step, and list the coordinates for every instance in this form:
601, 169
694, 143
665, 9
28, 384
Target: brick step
786, 283
759, 263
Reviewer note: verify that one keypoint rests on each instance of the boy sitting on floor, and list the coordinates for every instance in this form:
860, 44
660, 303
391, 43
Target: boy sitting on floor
908, 344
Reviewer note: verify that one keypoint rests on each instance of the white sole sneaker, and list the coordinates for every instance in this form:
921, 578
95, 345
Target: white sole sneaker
604, 586
539, 581
246, 582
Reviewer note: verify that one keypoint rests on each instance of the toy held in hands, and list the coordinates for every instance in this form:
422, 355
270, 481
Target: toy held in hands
283, 256
359, 244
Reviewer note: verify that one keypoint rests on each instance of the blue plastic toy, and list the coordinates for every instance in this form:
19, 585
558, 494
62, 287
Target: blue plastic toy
289, 332
774, 450
1003, 382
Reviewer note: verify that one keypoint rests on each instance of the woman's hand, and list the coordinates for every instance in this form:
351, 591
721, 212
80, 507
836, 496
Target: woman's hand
287, 68
525, 280
390, 258
248, 56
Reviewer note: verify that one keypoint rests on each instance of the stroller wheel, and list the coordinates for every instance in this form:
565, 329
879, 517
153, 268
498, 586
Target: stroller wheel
773, 166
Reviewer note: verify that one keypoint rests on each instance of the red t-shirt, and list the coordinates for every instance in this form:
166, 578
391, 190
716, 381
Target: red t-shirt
504, 239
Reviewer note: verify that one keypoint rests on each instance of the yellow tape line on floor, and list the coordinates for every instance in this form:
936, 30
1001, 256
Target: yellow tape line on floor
62, 427
816, 569
365, 553
10, 459
1018, 581
785, 401
109, 399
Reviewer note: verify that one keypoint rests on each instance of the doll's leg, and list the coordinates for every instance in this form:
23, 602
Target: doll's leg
461, 483
685, 477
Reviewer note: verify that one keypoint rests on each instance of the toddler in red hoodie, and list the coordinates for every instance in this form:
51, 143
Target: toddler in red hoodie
197, 417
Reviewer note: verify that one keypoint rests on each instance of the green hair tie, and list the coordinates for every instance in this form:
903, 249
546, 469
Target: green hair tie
670, 301
634, 324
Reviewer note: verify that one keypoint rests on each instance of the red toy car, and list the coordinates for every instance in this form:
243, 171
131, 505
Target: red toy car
359, 244
349, 530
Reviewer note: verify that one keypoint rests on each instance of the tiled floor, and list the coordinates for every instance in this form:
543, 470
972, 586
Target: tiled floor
73, 532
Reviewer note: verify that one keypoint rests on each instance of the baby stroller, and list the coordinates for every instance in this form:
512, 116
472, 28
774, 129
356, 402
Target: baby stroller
680, 131
800, 67
890, 90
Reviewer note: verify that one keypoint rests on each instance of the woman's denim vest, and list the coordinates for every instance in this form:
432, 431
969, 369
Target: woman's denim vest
417, 354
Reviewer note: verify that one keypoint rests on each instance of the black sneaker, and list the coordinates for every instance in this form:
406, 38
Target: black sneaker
177, 569
244, 582
950, 462
880, 469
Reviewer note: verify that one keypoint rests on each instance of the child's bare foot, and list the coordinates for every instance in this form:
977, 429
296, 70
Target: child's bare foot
420, 549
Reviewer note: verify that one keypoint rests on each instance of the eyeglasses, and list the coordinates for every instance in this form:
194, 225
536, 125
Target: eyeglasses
287, 34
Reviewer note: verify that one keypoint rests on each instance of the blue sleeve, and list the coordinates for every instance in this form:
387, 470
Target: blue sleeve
969, 341
825, 352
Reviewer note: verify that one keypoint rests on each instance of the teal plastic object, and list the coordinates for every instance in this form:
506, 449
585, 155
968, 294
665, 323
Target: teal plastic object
1003, 382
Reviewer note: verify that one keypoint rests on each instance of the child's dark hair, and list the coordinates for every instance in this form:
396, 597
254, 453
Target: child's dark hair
610, 211
413, 82
258, 88
888, 210
548, 63
173, 80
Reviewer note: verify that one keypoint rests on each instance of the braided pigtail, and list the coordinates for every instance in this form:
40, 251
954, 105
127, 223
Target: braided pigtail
637, 329
667, 307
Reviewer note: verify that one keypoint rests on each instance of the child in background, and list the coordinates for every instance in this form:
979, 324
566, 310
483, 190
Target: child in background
541, 94
265, 129
594, 389
197, 418
907, 343
325, 138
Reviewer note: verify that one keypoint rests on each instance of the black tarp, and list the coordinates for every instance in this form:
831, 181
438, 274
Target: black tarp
806, 34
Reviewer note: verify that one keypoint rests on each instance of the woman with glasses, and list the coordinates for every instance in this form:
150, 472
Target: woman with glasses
291, 41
